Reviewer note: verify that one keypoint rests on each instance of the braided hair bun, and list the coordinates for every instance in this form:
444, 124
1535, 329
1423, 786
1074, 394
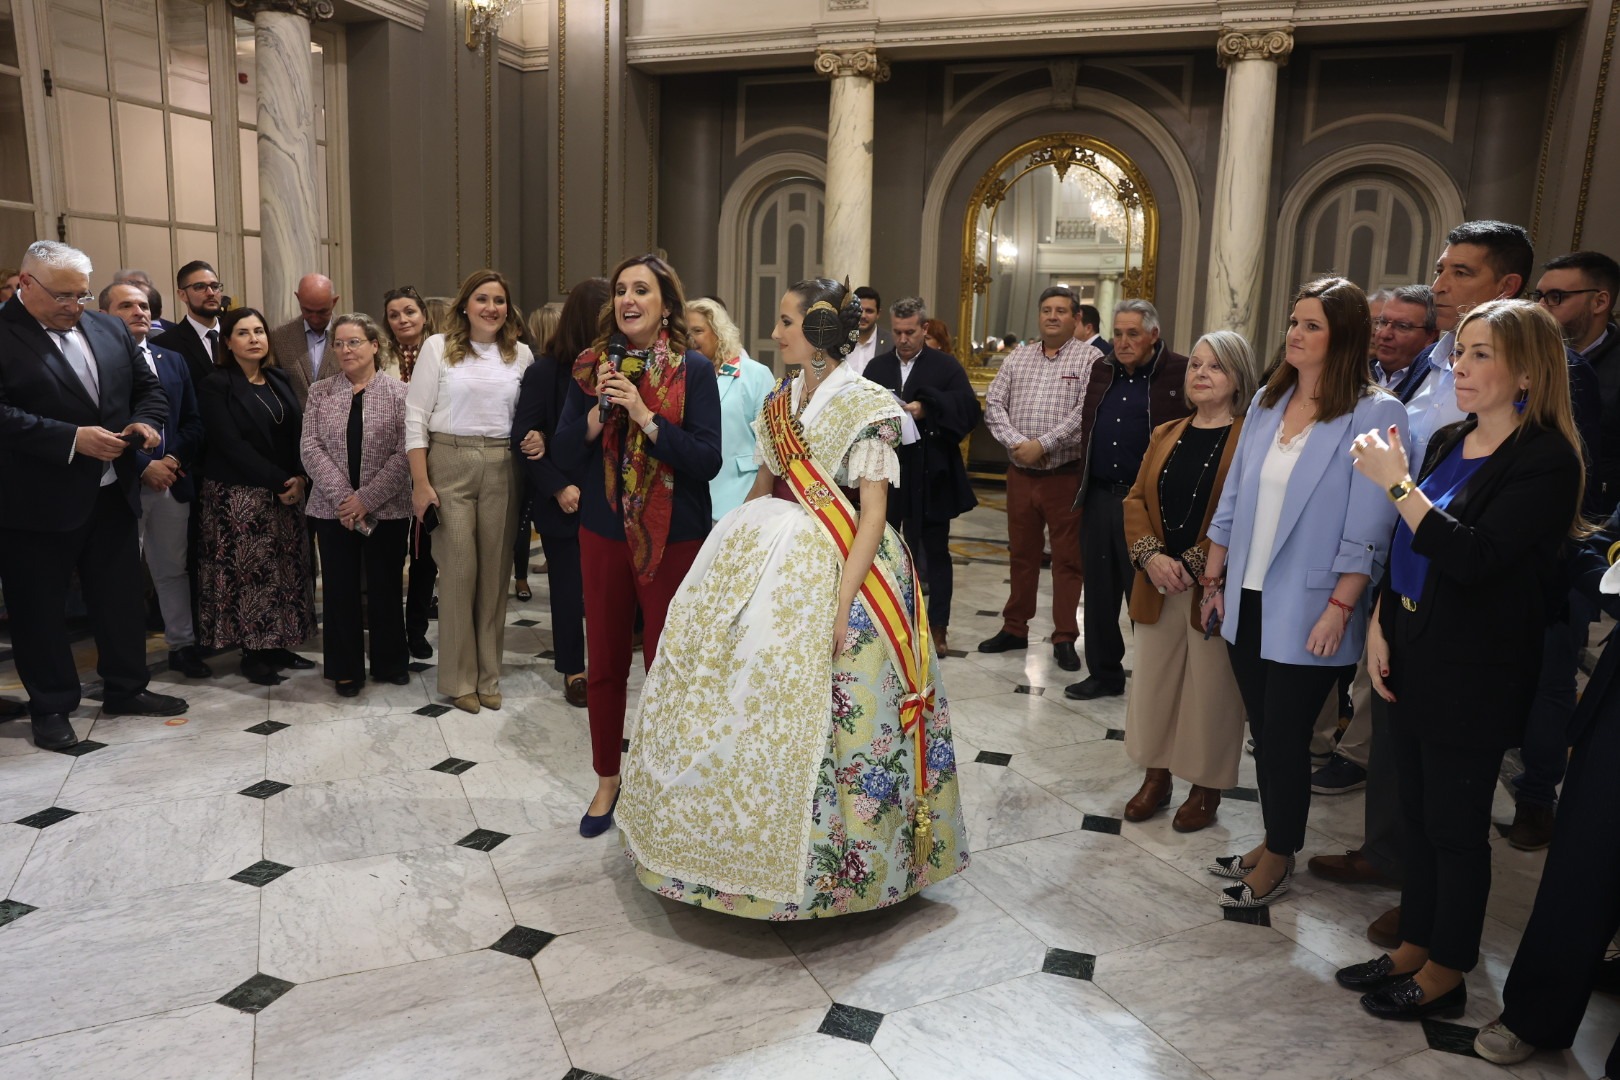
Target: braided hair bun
832, 315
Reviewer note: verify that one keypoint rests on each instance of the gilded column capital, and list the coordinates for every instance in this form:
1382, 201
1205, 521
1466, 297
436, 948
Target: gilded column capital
858, 62
1235, 45
313, 10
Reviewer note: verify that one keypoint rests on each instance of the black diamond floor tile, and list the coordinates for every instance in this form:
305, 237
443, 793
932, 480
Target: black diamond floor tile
79, 749
1241, 794
256, 993
454, 766
848, 1022
12, 910
433, 710
1099, 823
418, 666
1254, 916
264, 789
547, 654
1116, 734
483, 839
525, 622
992, 757
1073, 965
624, 746
1032, 691
269, 727
1502, 827
1450, 1038
47, 817
525, 942
260, 873
960, 654
989, 614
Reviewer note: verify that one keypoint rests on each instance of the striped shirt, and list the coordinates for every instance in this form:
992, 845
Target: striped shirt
1036, 397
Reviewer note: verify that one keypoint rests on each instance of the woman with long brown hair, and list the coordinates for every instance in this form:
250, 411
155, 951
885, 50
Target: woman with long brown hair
408, 324
458, 428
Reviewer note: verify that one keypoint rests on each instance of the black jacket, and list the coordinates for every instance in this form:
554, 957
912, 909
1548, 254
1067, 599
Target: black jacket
181, 337
243, 447
933, 479
42, 406
539, 407
1605, 361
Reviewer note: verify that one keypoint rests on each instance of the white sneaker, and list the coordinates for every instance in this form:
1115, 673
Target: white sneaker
1495, 1043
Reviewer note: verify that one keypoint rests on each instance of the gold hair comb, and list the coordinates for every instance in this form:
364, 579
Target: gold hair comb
821, 305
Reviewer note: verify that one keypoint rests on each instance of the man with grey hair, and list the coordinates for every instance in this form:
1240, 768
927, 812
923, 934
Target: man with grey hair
78, 398
1131, 391
1403, 329
1375, 305
934, 487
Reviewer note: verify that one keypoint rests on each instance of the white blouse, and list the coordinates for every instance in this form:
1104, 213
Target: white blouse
1275, 470
475, 397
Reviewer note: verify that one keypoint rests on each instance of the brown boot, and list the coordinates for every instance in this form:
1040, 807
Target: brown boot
1385, 931
1202, 804
941, 639
1153, 796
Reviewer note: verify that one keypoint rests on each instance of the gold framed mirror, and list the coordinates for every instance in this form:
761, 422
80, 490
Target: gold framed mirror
1067, 209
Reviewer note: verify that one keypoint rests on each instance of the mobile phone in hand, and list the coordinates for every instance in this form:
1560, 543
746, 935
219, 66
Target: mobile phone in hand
1213, 626
132, 438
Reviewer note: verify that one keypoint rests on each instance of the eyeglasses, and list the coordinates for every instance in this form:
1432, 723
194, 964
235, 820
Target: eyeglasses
1554, 297
1382, 323
59, 299
350, 344
204, 286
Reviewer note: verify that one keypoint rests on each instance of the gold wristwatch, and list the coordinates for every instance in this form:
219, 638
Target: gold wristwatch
1399, 491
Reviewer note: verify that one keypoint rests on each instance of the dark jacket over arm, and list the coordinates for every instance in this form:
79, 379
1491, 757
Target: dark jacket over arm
933, 477
539, 408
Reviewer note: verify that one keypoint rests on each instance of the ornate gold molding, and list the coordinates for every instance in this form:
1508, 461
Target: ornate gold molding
1555, 94
562, 147
1597, 120
857, 62
1273, 45
313, 10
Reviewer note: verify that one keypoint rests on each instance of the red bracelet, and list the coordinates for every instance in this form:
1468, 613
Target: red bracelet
1341, 605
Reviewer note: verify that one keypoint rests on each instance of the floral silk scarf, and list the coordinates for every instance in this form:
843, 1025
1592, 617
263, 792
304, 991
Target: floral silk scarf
639, 486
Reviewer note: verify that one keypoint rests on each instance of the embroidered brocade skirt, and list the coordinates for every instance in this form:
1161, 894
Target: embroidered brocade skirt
254, 584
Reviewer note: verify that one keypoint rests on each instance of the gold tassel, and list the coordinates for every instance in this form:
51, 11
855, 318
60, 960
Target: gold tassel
921, 837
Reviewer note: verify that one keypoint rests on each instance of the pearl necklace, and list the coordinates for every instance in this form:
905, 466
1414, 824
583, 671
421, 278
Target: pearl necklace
1214, 455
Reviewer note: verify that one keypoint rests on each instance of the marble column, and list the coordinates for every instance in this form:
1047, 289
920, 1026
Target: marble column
289, 203
1107, 297
1243, 177
847, 242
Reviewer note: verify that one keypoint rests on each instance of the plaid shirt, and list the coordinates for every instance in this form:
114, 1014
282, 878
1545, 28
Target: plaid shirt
1034, 397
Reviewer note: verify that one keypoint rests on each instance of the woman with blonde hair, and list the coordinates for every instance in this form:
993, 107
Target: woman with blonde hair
458, 428
744, 382
1456, 639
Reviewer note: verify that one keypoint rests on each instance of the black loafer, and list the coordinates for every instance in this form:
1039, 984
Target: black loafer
54, 731
1404, 1001
188, 661
1003, 642
144, 703
1067, 659
401, 679
286, 658
1092, 687
420, 649
350, 688
1372, 975
259, 671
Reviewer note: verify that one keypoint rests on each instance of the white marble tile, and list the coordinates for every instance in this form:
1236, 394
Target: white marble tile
1215, 990
16, 735
1020, 723
805, 1057
964, 681
1343, 817
165, 771
513, 795
365, 746
1090, 892
477, 1014
134, 849
1096, 777
314, 700
204, 1042
558, 881
554, 734
1003, 807
31, 782
1515, 877
16, 841
368, 815
702, 986
1437, 1065
1238, 829
947, 940
121, 730
340, 918
114, 957
1043, 1026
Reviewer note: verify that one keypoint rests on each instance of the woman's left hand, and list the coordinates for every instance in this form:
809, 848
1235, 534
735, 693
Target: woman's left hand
1384, 463
1328, 632
619, 390
351, 510
533, 446
840, 632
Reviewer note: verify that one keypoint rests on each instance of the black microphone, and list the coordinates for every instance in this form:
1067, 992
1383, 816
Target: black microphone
618, 347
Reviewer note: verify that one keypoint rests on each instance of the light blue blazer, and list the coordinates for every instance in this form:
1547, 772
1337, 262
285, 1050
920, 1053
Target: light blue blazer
1333, 522
741, 398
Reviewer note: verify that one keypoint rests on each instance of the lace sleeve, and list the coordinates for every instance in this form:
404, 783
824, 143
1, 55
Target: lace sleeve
763, 451
871, 456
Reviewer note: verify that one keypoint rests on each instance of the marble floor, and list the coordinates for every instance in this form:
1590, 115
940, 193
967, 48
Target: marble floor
284, 884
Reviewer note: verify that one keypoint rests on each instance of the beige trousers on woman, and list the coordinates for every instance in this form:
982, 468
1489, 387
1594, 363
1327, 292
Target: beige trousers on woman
476, 478
1184, 713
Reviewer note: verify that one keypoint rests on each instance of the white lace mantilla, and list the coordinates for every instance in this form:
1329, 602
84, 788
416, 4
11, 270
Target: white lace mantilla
851, 421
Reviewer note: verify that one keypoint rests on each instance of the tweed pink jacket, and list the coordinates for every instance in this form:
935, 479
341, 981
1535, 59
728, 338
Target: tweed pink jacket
385, 475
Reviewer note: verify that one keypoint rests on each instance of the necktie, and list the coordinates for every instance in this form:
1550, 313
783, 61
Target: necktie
213, 346
80, 363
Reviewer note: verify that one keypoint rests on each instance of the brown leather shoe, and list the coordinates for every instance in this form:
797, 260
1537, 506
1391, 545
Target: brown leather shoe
1532, 826
1151, 797
1385, 931
1199, 811
941, 638
575, 694
1351, 868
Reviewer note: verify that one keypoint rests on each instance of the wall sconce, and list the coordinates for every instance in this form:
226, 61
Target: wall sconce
484, 18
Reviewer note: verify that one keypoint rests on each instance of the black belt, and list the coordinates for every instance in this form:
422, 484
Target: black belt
1121, 490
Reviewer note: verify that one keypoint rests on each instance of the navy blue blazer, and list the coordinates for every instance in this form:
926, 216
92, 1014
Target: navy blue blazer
1333, 522
1416, 372
539, 407
183, 433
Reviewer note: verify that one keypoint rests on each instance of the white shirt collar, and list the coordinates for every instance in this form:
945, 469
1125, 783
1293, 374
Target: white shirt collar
202, 330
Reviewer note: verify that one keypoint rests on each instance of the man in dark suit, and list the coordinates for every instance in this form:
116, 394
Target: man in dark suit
75, 397
196, 337
871, 340
1088, 330
299, 346
128, 276
933, 480
167, 486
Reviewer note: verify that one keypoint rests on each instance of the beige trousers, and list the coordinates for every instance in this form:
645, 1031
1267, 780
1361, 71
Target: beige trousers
476, 479
1357, 738
1184, 712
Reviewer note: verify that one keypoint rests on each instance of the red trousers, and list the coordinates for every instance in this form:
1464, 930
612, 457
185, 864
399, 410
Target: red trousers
1038, 503
612, 595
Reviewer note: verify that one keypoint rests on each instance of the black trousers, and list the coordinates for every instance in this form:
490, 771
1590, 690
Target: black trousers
1446, 793
567, 590
520, 545
424, 572
1577, 909
1381, 844
378, 559
36, 569
1106, 563
1283, 701
930, 544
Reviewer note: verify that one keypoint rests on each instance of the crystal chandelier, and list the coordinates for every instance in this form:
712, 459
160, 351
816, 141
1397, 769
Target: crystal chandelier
484, 18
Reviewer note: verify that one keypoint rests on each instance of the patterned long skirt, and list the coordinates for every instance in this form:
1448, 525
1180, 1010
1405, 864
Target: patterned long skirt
254, 583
